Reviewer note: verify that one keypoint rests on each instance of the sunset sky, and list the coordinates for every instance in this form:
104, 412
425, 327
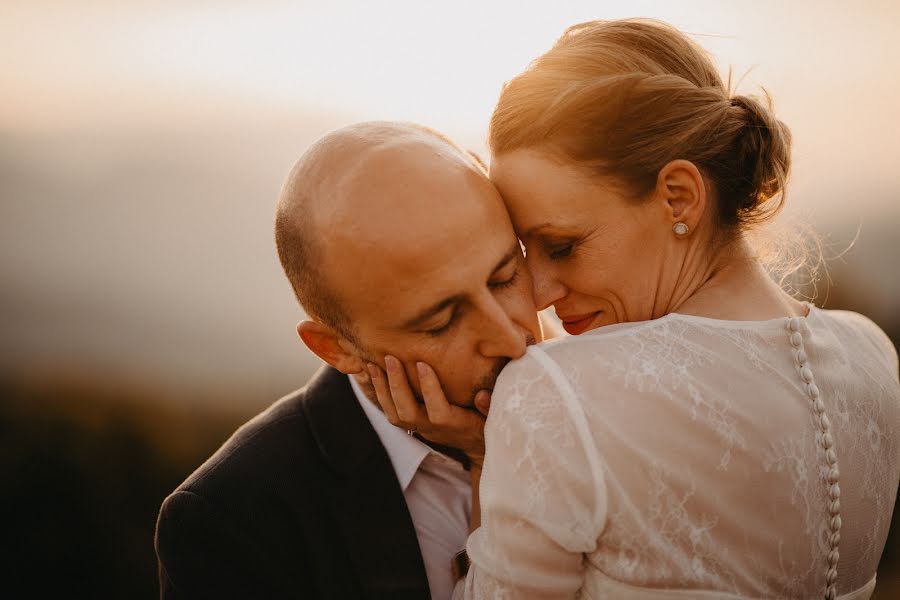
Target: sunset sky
833, 67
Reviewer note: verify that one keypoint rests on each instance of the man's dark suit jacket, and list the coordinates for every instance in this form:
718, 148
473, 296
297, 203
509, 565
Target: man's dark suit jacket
301, 502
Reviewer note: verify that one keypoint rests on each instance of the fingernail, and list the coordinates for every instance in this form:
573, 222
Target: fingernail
391, 363
373, 370
423, 370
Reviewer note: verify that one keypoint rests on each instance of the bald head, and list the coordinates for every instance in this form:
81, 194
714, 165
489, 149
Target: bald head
343, 183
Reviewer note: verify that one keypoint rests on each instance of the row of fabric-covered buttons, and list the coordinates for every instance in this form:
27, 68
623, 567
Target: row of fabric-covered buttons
831, 472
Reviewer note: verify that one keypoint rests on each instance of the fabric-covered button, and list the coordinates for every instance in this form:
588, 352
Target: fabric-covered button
807, 374
813, 390
836, 523
834, 492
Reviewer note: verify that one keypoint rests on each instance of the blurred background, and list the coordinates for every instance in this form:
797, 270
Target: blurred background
143, 312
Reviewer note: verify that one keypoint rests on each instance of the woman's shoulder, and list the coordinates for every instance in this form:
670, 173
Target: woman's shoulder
641, 340
562, 353
854, 328
604, 339
563, 364
605, 334
848, 317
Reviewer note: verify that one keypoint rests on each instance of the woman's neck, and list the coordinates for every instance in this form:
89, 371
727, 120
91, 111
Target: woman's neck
737, 288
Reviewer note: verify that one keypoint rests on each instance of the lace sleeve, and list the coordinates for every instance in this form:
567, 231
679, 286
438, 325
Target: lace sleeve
543, 500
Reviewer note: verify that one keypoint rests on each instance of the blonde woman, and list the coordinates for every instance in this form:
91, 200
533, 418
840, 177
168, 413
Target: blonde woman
701, 434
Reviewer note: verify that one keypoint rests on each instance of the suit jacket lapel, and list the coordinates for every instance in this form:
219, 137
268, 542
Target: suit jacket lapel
366, 497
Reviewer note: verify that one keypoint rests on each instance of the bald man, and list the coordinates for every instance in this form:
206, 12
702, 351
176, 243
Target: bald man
394, 242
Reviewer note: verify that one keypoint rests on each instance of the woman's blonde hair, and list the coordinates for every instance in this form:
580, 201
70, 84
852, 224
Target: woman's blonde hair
623, 98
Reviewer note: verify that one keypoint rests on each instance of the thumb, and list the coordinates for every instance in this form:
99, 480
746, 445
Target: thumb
483, 402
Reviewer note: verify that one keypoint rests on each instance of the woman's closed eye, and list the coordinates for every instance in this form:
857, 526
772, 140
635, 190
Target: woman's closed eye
556, 247
560, 251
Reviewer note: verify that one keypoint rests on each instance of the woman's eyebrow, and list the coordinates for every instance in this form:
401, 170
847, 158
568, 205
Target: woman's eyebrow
537, 229
548, 229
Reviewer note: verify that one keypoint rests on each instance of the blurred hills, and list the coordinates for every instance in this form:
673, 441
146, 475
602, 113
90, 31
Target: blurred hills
149, 256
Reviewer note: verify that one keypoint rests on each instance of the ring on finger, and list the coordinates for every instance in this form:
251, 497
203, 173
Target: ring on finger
412, 431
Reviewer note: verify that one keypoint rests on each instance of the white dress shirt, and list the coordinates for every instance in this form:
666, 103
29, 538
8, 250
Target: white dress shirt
438, 494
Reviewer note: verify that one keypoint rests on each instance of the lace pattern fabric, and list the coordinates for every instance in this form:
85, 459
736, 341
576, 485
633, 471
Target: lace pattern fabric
688, 454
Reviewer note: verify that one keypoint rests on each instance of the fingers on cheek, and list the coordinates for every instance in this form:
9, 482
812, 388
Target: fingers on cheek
427, 379
435, 400
377, 382
401, 417
382, 393
392, 366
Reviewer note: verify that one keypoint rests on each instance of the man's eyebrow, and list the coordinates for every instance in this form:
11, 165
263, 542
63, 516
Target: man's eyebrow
419, 320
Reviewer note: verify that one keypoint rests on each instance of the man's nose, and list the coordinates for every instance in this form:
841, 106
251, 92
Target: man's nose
499, 336
546, 288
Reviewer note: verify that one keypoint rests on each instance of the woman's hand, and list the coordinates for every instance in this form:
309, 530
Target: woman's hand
438, 421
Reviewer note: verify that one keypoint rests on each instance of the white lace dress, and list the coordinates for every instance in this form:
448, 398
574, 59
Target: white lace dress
688, 457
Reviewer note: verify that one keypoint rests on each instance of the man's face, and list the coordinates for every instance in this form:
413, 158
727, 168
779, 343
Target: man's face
430, 270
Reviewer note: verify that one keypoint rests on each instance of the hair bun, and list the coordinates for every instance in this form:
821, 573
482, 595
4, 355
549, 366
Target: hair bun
623, 98
765, 151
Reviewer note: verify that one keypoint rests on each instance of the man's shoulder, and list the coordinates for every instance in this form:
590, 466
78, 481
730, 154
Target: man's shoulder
277, 442
279, 427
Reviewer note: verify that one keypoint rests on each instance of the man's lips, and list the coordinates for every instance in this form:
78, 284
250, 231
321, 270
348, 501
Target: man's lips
575, 324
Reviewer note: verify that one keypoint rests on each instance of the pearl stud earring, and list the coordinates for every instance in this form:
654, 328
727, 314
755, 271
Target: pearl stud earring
680, 229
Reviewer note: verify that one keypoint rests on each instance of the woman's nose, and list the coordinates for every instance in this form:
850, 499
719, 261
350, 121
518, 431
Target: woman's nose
546, 287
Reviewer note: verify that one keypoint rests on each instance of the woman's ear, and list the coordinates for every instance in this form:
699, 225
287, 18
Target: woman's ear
681, 185
332, 347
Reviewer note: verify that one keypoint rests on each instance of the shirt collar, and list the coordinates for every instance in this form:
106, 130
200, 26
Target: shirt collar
405, 451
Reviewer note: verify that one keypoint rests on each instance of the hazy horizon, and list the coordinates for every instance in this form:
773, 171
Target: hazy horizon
144, 145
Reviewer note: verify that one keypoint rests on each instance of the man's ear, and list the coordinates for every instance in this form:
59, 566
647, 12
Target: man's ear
330, 346
682, 187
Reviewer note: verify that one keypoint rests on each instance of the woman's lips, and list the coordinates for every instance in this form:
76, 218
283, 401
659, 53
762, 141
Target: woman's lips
576, 324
